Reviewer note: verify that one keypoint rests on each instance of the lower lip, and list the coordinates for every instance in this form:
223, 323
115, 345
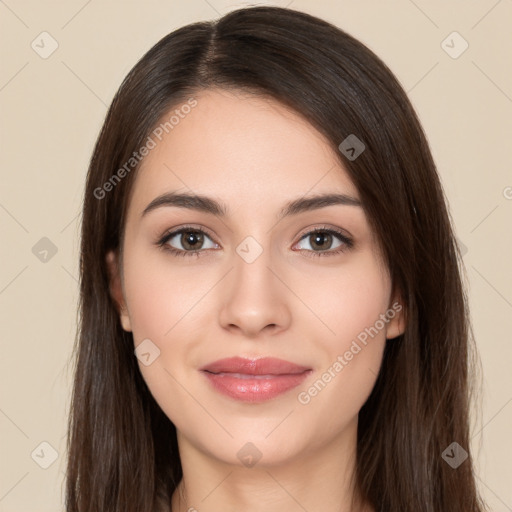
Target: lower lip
252, 388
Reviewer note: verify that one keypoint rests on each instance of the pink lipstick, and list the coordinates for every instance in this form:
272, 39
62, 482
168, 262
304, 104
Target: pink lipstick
254, 380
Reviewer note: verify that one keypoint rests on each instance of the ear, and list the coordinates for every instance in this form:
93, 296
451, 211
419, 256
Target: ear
396, 314
116, 289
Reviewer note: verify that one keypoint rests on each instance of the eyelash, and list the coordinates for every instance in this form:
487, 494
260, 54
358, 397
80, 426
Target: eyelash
348, 243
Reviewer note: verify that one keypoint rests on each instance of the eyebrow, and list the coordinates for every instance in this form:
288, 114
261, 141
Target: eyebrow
209, 205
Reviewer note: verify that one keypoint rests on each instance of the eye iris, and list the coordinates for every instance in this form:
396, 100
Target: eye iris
320, 238
192, 239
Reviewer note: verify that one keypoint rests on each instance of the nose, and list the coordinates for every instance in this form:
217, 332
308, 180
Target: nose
254, 298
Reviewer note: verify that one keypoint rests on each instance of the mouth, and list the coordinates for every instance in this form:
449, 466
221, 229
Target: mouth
247, 375
254, 380
262, 366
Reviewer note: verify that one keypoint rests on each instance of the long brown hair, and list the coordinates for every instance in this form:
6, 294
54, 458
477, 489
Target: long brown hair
122, 449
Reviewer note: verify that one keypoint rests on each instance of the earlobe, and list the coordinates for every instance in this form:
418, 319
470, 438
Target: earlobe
396, 314
116, 290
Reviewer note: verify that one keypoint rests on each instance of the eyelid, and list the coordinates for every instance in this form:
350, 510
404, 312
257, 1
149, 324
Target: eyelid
169, 233
347, 240
325, 227
162, 242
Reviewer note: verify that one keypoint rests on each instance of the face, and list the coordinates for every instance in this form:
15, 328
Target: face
251, 277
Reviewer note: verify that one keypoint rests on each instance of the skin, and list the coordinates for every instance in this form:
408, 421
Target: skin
254, 155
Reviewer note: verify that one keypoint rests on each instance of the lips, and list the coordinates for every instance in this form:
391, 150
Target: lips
254, 380
263, 366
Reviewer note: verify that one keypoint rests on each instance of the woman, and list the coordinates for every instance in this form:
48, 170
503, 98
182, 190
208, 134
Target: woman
272, 311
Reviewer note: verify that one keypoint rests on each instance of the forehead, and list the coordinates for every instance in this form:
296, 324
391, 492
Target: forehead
247, 150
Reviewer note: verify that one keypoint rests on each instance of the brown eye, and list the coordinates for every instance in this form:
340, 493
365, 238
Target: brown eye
321, 242
191, 240
186, 242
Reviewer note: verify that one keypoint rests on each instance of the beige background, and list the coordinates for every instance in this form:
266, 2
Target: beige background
52, 110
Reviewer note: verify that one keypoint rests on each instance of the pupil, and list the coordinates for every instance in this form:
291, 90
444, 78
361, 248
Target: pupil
320, 239
192, 239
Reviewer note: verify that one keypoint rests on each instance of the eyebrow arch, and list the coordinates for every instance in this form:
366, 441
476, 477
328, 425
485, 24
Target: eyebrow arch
209, 205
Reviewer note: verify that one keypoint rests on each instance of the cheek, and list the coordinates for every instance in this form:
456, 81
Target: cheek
163, 303
346, 301
352, 341
161, 297
168, 304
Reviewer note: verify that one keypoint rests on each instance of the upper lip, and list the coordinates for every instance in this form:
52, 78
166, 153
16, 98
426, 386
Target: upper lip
261, 366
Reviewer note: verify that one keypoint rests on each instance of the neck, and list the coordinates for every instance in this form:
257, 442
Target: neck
321, 478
